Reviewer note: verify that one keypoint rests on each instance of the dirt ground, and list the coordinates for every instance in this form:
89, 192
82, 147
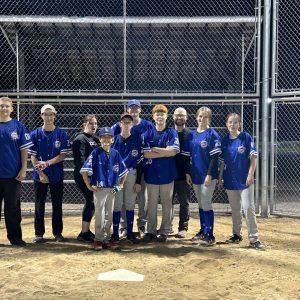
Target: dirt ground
178, 269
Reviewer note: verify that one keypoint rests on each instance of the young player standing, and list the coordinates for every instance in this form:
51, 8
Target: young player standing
14, 142
238, 163
203, 147
50, 146
108, 174
160, 146
129, 146
84, 143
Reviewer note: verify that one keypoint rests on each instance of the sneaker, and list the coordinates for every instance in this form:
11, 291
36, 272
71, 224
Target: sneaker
59, 238
162, 238
198, 236
171, 231
131, 237
208, 241
38, 239
115, 238
122, 232
142, 230
111, 245
257, 245
18, 242
98, 245
85, 237
181, 234
149, 237
235, 239
92, 235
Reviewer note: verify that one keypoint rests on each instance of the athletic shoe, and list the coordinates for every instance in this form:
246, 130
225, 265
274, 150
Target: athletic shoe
59, 238
235, 239
122, 232
181, 234
208, 241
92, 235
148, 238
162, 238
257, 245
198, 236
115, 238
18, 242
38, 239
98, 245
85, 237
111, 245
142, 231
131, 237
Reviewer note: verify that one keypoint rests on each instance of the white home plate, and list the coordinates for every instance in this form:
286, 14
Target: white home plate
120, 275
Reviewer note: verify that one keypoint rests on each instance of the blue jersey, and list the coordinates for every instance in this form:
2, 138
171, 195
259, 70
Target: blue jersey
160, 170
45, 147
236, 154
13, 138
200, 147
138, 129
105, 169
130, 149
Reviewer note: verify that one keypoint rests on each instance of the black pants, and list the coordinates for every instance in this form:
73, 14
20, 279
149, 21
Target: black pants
56, 191
182, 191
89, 207
10, 191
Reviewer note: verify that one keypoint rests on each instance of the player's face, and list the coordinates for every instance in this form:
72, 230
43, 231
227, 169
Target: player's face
126, 125
5, 108
233, 124
180, 117
203, 120
160, 118
48, 117
134, 111
106, 141
91, 126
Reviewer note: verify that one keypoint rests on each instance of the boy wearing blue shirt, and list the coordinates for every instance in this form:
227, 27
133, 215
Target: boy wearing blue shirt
50, 146
14, 142
108, 172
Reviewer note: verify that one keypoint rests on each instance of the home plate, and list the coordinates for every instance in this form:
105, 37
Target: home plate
120, 275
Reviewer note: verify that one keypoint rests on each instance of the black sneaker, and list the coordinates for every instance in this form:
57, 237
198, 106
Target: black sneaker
149, 237
38, 239
85, 237
92, 235
198, 236
235, 239
59, 238
257, 245
115, 238
208, 241
162, 238
18, 242
131, 237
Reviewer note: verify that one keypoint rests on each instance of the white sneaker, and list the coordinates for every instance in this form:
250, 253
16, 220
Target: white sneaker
181, 234
38, 239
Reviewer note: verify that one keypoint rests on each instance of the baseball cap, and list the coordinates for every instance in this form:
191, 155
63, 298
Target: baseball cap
105, 131
49, 107
126, 115
134, 102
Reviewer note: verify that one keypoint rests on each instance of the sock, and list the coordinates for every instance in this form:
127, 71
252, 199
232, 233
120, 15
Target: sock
209, 222
129, 218
116, 222
202, 219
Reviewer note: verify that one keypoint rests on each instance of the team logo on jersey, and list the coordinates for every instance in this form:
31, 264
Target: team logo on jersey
241, 149
92, 143
27, 136
217, 143
57, 144
203, 144
14, 135
134, 153
116, 168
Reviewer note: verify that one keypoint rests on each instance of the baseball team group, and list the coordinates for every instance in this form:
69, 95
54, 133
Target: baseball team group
134, 161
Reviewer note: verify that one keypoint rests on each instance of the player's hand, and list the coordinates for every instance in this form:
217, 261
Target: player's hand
137, 188
21, 175
250, 180
189, 179
42, 165
43, 177
220, 184
94, 188
116, 189
207, 181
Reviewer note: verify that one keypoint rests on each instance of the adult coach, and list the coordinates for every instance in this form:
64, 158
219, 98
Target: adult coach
50, 146
238, 162
203, 146
181, 187
160, 146
84, 143
14, 142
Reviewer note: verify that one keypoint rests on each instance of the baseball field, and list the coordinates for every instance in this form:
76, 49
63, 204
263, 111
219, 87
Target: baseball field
177, 269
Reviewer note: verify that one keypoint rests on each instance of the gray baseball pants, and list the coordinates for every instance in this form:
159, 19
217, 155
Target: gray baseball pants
204, 195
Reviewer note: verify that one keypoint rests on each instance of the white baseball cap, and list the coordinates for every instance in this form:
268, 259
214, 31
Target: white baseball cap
49, 107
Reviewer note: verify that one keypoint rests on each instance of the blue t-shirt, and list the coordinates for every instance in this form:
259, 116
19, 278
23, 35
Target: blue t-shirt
13, 138
236, 154
160, 170
45, 147
200, 147
105, 169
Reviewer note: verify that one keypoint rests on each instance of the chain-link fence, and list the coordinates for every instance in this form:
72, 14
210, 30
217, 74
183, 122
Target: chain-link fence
285, 175
70, 118
122, 47
286, 39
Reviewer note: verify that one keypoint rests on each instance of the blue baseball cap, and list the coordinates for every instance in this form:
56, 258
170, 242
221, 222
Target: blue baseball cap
105, 131
134, 102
